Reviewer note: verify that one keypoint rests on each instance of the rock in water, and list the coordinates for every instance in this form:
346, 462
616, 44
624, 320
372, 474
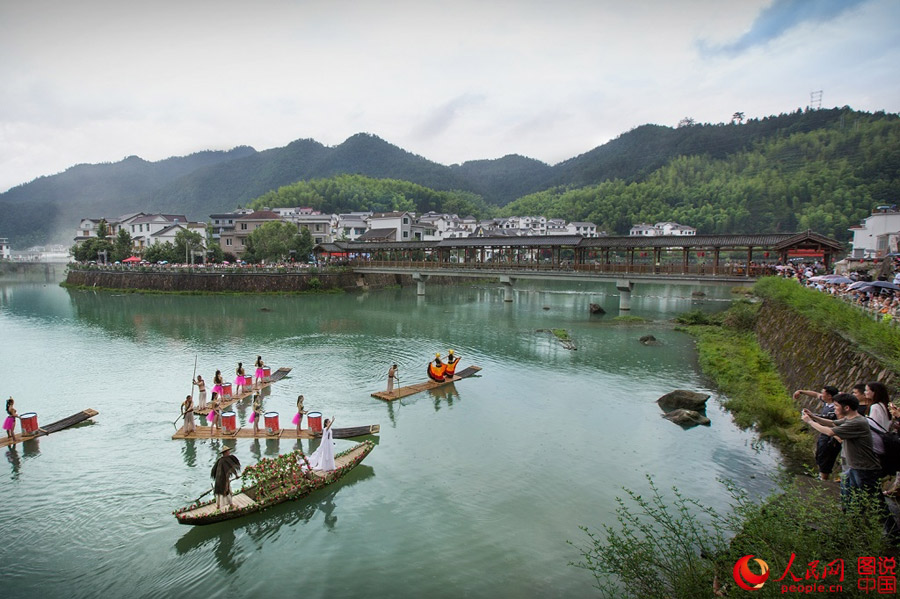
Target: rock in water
688, 400
597, 309
649, 340
686, 418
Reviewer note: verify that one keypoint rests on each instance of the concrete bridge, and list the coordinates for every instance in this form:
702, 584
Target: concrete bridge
734, 260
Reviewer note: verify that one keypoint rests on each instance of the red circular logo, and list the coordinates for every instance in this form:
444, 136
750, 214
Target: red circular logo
746, 579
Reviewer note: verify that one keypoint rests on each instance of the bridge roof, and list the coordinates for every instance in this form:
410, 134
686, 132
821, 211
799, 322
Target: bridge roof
527, 241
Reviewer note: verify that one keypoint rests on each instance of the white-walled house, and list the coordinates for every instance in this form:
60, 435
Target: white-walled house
5, 249
322, 228
143, 227
659, 229
168, 234
877, 234
352, 225
90, 227
400, 222
224, 222
235, 241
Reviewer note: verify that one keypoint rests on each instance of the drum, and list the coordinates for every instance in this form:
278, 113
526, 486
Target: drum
315, 421
29, 423
229, 421
226, 389
272, 423
267, 372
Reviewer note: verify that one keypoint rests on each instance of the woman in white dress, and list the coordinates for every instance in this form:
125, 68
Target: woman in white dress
323, 457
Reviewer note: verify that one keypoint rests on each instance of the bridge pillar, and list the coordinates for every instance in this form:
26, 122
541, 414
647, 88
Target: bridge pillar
624, 288
507, 283
420, 279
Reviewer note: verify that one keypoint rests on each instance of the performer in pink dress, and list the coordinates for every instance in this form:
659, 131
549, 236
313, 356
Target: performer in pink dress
259, 370
9, 425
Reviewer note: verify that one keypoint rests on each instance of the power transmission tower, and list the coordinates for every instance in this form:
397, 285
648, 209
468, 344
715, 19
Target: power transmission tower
815, 100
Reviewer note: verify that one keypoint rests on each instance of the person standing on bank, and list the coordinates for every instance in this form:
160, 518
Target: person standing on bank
201, 392
187, 410
827, 447
877, 399
222, 470
863, 467
392, 373
257, 412
9, 425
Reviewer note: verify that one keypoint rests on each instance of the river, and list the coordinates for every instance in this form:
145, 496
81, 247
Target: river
472, 490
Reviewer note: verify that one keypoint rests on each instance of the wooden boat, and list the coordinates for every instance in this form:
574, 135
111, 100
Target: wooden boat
289, 483
233, 399
202, 432
419, 387
51, 428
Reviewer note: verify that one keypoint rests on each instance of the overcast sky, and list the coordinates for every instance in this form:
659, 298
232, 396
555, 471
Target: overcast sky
98, 80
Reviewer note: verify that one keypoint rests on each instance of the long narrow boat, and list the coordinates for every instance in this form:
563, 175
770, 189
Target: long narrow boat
202, 432
286, 484
233, 399
51, 428
419, 387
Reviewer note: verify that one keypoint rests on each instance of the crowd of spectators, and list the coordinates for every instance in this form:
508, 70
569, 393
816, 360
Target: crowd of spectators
879, 296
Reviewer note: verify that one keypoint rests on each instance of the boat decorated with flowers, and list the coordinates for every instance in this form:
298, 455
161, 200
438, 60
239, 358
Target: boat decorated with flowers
272, 481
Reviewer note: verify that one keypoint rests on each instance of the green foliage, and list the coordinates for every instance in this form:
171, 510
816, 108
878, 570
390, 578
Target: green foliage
694, 317
186, 242
679, 547
102, 229
832, 314
826, 179
356, 193
741, 316
89, 249
273, 241
161, 251
122, 247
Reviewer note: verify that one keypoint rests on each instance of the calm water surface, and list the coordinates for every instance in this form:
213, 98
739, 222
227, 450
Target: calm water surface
473, 490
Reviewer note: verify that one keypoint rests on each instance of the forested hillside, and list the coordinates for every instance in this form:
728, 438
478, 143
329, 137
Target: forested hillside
826, 179
356, 193
821, 169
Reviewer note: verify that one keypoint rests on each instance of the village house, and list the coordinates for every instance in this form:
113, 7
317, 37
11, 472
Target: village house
660, 229
235, 241
143, 228
5, 249
878, 234
224, 222
322, 228
90, 227
352, 225
402, 224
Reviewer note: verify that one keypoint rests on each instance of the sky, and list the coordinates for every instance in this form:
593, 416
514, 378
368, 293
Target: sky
97, 80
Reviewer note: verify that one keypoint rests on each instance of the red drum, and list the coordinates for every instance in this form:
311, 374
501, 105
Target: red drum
226, 389
272, 423
229, 421
315, 421
29, 423
267, 372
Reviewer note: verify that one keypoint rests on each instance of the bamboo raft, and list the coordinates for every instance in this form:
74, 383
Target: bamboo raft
429, 384
234, 398
248, 501
51, 428
202, 432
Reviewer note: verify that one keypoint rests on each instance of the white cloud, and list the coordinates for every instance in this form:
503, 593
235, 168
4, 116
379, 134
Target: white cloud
449, 81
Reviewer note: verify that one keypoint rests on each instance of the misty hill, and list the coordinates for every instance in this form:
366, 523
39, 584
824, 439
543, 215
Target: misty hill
49, 208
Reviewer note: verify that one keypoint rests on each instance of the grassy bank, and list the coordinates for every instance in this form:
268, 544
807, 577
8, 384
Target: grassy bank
831, 314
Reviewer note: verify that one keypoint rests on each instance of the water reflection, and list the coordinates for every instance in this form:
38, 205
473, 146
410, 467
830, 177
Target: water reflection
445, 393
12, 456
189, 452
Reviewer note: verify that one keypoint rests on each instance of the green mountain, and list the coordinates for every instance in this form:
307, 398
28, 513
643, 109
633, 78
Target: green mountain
822, 169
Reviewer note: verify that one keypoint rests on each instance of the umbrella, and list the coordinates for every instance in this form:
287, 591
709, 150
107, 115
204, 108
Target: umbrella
839, 280
859, 284
132, 259
883, 285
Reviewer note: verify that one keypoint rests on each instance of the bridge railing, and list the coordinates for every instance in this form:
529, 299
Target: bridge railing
700, 270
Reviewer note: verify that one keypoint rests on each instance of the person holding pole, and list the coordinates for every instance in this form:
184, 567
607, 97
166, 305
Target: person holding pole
222, 470
187, 410
392, 373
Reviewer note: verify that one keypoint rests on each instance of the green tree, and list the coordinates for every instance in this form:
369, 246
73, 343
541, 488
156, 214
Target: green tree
273, 241
89, 249
122, 246
161, 251
185, 243
102, 229
303, 245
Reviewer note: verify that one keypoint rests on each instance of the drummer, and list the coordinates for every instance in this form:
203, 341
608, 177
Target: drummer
298, 417
217, 385
9, 425
260, 373
240, 380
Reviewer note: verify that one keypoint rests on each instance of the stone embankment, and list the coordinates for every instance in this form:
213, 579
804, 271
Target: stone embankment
199, 281
808, 358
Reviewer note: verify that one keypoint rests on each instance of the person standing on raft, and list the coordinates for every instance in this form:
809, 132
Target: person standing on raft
392, 374
259, 371
187, 410
222, 470
9, 425
217, 385
201, 392
257, 411
240, 379
450, 369
213, 419
298, 417
436, 369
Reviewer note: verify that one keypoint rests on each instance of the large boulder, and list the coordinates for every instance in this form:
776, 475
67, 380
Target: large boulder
649, 340
688, 400
686, 418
